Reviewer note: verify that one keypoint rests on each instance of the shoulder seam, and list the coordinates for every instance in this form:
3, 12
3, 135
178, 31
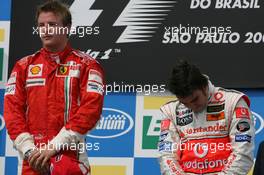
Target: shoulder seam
25, 59
85, 58
172, 101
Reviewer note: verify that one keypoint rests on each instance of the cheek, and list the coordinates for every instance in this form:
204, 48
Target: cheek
52, 30
203, 101
60, 35
42, 30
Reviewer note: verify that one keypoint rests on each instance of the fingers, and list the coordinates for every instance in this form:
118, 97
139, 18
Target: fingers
36, 159
34, 152
43, 159
39, 161
44, 162
34, 155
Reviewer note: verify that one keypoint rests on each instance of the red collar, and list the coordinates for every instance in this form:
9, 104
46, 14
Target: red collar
53, 56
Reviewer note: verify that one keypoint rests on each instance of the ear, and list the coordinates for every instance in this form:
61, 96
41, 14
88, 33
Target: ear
205, 90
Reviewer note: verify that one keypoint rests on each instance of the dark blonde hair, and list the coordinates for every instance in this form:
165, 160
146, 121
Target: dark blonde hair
57, 8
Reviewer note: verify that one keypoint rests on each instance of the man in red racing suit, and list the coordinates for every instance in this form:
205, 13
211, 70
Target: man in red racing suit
53, 97
45, 99
216, 139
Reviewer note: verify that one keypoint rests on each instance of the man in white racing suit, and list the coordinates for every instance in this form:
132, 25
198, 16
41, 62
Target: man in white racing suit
207, 130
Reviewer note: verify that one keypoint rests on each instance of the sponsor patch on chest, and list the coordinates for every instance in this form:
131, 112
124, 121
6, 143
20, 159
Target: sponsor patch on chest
35, 70
182, 121
65, 70
35, 82
184, 117
215, 112
215, 108
215, 116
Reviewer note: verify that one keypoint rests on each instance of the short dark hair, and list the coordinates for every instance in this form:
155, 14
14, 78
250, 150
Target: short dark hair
185, 78
57, 8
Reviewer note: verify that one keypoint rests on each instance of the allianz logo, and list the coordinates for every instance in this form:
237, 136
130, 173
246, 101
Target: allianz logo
113, 123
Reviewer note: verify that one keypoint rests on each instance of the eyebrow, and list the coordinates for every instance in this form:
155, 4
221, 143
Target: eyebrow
49, 22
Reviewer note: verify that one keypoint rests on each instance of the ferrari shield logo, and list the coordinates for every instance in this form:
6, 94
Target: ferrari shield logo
63, 70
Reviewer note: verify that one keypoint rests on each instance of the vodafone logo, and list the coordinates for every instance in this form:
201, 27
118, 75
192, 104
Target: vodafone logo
218, 96
200, 150
243, 111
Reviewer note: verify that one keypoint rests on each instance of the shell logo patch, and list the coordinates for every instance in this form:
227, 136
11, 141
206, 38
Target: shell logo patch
35, 70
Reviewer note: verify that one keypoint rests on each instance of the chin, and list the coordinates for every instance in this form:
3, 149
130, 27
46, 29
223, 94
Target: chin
48, 43
199, 109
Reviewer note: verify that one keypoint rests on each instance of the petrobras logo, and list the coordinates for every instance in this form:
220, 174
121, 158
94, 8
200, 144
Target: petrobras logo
113, 123
2, 123
258, 122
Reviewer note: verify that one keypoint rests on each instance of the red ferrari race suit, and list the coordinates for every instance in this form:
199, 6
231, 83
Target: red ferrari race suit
218, 140
53, 98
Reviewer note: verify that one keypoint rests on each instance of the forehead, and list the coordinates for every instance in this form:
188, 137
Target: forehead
49, 16
195, 94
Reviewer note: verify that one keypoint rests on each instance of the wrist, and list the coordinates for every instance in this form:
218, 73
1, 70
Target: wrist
27, 154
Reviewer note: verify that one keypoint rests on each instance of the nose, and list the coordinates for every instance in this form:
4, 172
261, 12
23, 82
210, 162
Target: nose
43, 29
